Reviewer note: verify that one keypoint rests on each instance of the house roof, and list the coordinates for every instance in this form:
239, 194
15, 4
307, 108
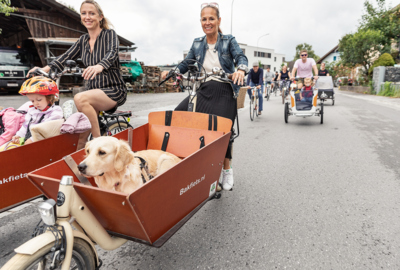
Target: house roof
326, 55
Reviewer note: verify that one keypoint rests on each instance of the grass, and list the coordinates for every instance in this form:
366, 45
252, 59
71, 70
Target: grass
389, 90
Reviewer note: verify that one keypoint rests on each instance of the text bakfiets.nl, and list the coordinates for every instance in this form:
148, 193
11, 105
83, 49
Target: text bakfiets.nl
12, 178
193, 184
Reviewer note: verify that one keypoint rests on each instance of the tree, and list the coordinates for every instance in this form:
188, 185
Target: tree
385, 60
386, 20
308, 47
5, 7
360, 48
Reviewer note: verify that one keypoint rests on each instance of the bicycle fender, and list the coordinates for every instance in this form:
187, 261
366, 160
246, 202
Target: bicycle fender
40, 241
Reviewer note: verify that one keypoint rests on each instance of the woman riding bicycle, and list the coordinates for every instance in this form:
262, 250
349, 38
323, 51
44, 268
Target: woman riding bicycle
98, 50
214, 96
283, 75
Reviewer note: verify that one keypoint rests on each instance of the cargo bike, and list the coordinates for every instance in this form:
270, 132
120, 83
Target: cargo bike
79, 215
300, 108
15, 188
325, 89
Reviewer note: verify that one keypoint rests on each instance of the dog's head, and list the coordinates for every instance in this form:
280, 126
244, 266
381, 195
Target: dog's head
103, 155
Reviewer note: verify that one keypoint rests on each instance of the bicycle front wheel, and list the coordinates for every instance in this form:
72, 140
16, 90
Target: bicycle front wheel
83, 258
251, 109
256, 108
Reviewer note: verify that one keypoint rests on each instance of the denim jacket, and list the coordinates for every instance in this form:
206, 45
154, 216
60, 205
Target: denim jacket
229, 54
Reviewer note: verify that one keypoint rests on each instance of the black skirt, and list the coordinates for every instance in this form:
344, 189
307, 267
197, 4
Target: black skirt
216, 98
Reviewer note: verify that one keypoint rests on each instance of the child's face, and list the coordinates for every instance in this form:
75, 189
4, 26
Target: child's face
39, 101
307, 81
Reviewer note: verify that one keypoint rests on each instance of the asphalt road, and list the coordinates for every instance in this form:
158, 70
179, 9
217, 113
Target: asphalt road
306, 195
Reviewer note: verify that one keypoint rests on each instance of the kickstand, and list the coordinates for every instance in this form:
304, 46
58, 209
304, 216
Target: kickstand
216, 196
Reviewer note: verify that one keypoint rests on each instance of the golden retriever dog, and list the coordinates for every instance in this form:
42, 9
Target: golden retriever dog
115, 167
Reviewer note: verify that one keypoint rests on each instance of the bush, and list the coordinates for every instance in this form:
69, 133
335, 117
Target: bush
389, 90
384, 60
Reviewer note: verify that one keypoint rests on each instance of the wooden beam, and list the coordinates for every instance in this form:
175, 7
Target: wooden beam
33, 11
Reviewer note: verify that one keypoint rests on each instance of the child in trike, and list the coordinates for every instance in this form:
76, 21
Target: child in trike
303, 102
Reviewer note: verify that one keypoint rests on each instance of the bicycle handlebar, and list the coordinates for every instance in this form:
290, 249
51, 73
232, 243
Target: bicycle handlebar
217, 72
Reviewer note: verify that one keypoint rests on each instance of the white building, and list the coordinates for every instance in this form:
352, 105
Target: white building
332, 55
267, 57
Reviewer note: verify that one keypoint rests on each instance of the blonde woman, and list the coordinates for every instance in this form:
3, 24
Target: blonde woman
98, 50
214, 97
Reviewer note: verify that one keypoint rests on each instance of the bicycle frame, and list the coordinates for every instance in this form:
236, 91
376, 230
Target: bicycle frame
88, 227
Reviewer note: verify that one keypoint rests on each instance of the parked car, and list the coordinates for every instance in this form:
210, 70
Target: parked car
340, 81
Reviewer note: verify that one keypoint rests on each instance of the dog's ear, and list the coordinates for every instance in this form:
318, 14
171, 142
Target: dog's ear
123, 156
87, 147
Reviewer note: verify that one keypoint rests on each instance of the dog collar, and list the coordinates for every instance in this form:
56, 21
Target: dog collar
146, 176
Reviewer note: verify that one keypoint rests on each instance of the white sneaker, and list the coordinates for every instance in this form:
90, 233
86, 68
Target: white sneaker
227, 179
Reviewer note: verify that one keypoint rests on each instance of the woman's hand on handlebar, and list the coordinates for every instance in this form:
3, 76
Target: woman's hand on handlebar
45, 69
238, 77
164, 75
92, 71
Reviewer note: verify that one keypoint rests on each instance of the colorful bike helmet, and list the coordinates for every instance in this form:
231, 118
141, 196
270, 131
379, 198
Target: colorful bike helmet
39, 85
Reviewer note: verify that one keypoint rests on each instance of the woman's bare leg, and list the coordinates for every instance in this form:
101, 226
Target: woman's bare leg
90, 103
227, 164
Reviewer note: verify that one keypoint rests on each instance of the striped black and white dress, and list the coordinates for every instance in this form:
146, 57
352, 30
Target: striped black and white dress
105, 53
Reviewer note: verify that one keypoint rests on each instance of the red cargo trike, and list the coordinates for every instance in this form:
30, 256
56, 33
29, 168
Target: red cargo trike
149, 215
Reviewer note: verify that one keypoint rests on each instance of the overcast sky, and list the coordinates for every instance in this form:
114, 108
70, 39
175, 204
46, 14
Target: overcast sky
163, 29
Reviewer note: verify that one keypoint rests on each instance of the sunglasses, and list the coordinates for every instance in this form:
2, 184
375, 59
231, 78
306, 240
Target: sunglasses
211, 4
304, 55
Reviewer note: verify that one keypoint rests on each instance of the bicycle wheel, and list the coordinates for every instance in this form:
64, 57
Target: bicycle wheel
83, 258
322, 113
251, 109
116, 126
286, 112
283, 96
256, 108
268, 92
275, 89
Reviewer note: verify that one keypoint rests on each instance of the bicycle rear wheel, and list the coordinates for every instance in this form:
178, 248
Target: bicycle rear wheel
115, 127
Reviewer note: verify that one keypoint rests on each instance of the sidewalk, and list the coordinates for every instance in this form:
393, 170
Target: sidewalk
390, 102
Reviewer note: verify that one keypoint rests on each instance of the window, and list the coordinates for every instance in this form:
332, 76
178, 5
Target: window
184, 55
244, 51
262, 54
334, 58
274, 68
275, 59
283, 59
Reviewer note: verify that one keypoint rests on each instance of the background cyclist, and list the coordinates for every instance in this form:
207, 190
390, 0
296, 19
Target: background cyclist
268, 76
283, 75
322, 71
304, 67
255, 78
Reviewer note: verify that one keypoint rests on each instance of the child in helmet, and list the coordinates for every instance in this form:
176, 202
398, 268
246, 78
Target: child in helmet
42, 92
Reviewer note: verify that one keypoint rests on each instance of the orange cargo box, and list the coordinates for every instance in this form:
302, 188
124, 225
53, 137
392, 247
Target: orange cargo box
15, 187
154, 212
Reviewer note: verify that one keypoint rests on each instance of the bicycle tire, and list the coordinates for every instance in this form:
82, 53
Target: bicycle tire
251, 110
256, 108
82, 254
114, 127
322, 113
286, 112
